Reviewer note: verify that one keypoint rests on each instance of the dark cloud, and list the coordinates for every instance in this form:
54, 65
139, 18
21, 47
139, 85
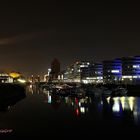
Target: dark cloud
20, 38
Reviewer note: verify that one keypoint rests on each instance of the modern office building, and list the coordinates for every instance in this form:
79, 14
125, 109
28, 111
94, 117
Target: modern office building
68, 74
92, 74
78, 66
83, 72
112, 71
124, 70
131, 70
73, 72
5, 77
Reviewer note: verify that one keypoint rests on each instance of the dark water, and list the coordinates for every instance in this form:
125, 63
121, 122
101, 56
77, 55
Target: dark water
43, 114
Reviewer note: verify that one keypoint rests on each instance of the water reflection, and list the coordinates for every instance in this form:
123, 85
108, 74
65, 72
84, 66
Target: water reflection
124, 109
80, 105
120, 104
33, 89
120, 108
49, 113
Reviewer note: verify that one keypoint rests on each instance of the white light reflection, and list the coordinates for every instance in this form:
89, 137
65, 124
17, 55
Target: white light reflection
49, 99
116, 106
123, 100
108, 99
31, 89
131, 103
82, 110
127, 103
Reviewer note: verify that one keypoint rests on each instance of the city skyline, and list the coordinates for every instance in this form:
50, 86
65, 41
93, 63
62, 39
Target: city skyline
69, 68
33, 34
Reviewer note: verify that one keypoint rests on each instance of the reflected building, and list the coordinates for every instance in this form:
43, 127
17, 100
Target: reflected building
33, 89
48, 97
55, 102
136, 111
81, 106
122, 108
30, 89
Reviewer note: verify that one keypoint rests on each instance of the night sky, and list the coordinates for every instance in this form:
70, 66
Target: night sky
33, 34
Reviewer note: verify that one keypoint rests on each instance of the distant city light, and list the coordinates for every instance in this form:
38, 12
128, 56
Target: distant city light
21, 80
129, 77
15, 74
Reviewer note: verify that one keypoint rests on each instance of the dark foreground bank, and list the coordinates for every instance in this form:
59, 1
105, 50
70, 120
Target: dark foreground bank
10, 94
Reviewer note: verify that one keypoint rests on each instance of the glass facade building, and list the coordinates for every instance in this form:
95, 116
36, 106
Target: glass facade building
131, 70
112, 71
125, 70
92, 74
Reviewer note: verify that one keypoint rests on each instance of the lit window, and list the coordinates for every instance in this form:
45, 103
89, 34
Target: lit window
129, 77
115, 71
136, 66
